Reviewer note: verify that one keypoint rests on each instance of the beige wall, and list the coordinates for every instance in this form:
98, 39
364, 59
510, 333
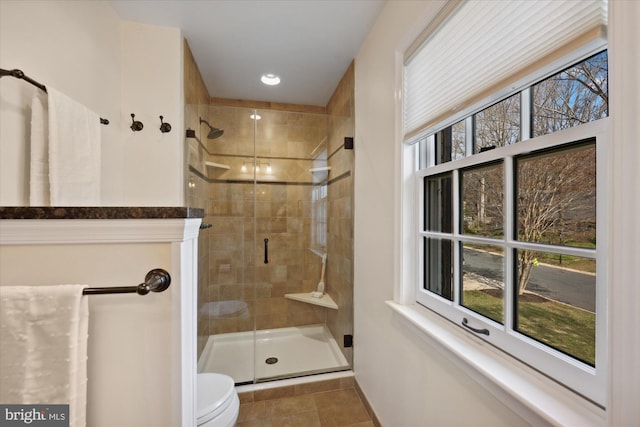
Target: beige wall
152, 87
407, 381
113, 67
624, 181
141, 367
74, 47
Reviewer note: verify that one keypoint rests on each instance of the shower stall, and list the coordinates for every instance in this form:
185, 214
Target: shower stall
277, 191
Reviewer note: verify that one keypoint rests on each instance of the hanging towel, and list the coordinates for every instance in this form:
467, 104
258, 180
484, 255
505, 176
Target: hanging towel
70, 152
43, 337
39, 184
74, 152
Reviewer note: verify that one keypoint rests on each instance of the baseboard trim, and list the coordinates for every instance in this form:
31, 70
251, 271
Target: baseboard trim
365, 402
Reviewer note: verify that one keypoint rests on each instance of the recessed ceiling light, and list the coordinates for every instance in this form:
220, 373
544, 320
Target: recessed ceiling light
255, 117
270, 79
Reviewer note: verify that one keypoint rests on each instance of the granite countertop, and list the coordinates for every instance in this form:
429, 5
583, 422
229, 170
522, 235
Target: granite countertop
107, 212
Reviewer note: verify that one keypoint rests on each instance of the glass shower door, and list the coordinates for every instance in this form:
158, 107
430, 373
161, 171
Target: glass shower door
231, 292
279, 202
292, 184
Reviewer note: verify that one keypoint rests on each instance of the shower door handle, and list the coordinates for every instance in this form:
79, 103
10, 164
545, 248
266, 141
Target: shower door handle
266, 251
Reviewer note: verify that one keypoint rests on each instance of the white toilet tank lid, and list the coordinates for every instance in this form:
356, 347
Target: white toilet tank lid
215, 393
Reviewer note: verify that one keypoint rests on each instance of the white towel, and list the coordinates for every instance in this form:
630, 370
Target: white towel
71, 151
74, 152
43, 339
39, 183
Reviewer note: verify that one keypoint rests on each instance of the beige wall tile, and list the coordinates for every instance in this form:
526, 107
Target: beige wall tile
284, 212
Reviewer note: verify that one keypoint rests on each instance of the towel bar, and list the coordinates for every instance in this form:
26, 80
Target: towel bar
157, 280
18, 74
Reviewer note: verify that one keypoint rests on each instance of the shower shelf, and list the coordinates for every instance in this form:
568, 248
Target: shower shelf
321, 169
325, 301
217, 165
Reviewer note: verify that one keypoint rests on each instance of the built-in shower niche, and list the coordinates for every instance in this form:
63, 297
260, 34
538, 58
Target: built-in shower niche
268, 178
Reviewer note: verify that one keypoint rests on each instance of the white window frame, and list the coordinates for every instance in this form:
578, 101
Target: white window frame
533, 396
588, 382
580, 377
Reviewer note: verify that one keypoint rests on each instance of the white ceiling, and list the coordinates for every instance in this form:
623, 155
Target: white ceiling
308, 43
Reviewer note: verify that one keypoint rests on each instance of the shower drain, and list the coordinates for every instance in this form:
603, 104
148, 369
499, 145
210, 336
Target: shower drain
271, 360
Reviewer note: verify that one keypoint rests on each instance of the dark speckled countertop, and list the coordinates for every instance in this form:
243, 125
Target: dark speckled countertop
107, 212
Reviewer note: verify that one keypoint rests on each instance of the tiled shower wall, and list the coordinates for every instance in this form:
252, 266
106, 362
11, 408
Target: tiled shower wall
232, 272
280, 210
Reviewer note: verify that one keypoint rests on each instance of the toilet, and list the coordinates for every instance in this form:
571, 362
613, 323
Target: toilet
218, 402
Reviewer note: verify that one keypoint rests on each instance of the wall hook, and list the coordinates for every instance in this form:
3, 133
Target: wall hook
164, 127
136, 125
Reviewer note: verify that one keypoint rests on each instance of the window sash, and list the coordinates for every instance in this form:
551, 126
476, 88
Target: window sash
579, 376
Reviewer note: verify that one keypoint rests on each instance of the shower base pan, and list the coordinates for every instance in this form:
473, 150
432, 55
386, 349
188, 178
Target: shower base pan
279, 353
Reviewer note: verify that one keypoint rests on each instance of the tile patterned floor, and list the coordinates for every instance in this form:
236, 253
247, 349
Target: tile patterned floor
333, 408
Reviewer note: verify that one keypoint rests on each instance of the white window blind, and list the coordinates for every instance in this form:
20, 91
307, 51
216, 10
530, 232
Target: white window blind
484, 49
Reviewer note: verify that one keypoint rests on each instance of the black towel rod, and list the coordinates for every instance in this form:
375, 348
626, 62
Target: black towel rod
157, 280
18, 74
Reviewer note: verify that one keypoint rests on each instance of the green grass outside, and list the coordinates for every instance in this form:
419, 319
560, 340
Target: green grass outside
568, 261
485, 304
565, 328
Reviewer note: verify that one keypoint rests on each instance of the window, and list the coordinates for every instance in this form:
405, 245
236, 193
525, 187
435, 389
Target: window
319, 218
498, 125
507, 230
577, 95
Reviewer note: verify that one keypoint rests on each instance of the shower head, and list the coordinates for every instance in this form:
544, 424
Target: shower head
213, 132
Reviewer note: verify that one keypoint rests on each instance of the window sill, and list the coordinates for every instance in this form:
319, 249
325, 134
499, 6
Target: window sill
530, 394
